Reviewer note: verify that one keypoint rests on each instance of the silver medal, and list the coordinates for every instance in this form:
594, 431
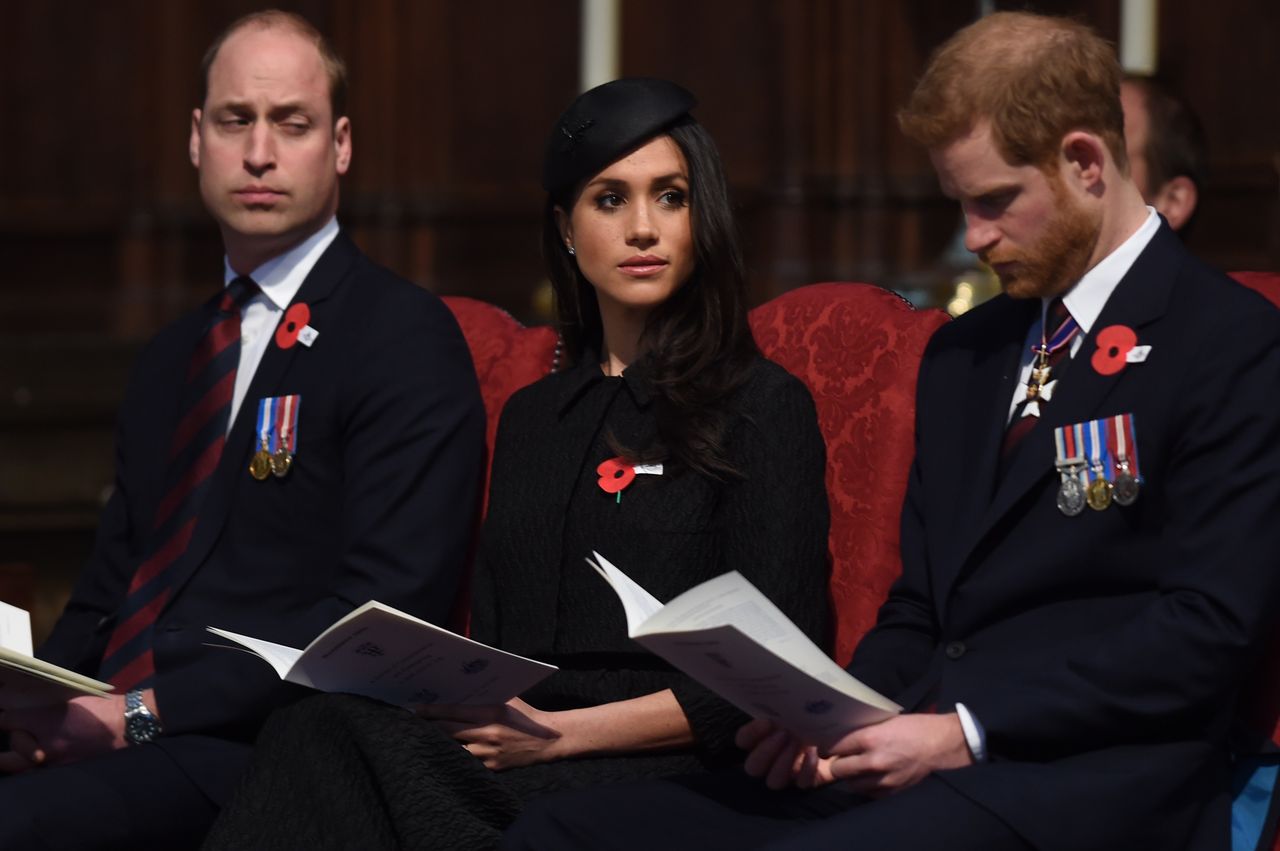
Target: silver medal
1071, 498
1126, 490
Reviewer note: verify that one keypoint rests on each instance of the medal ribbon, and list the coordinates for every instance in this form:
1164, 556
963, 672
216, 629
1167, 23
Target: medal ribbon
1131, 443
266, 424
1099, 457
1081, 434
1067, 443
1065, 334
1120, 439
286, 422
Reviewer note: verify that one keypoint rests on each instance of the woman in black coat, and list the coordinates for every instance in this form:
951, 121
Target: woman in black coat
670, 445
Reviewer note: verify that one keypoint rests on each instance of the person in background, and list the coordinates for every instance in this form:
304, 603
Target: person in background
1165, 145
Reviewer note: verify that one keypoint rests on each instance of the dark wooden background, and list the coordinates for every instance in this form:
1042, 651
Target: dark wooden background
103, 238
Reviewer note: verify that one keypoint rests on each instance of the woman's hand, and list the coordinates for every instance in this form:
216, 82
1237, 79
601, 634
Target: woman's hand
502, 735
780, 759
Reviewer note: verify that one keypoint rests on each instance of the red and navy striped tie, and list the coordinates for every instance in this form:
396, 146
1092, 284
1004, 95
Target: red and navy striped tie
194, 452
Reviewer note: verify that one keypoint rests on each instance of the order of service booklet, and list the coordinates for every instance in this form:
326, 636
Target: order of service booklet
26, 681
381, 652
731, 638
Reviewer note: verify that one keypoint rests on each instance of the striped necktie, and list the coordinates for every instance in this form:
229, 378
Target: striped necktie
194, 452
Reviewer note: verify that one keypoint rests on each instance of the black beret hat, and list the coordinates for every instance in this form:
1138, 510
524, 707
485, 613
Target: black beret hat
605, 123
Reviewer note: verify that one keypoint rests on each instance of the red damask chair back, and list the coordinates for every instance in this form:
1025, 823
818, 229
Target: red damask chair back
857, 347
507, 356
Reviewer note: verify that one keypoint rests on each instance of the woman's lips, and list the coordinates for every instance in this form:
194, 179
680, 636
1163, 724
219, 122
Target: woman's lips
642, 266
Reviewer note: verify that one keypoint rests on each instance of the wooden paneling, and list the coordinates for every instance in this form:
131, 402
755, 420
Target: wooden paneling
103, 238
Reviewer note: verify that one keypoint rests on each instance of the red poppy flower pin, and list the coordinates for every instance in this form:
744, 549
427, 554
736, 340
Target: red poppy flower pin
1117, 346
294, 328
616, 474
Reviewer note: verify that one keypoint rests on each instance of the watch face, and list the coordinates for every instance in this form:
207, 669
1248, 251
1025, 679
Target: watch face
141, 728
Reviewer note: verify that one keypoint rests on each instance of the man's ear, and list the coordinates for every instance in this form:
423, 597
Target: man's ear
342, 144
1176, 200
193, 144
1085, 156
565, 226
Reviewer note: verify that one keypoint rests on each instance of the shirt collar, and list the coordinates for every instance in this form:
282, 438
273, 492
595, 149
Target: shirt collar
1086, 299
281, 277
637, 378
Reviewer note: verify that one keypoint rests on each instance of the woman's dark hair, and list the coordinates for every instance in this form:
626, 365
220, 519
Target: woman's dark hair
697, 343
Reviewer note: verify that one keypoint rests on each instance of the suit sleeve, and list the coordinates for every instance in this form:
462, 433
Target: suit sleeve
1170, 670
773, 525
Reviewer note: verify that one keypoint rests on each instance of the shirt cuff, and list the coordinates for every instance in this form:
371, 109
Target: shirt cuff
974, 736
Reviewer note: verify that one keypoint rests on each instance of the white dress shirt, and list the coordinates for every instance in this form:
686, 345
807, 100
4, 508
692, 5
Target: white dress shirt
279, 280
1085, 300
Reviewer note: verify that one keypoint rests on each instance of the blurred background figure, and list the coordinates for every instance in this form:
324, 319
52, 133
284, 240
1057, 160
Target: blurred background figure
1166, 148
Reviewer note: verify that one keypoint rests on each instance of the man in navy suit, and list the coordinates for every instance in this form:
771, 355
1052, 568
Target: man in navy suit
1089, 538
309, 440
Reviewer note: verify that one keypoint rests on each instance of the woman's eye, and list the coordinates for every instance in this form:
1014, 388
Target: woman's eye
609, 200
672, 198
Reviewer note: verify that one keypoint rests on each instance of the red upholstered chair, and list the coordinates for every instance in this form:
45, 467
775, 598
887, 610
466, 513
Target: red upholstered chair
1267, 283
507, 356
857, 347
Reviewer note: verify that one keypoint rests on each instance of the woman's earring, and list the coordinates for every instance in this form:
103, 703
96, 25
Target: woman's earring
571, 251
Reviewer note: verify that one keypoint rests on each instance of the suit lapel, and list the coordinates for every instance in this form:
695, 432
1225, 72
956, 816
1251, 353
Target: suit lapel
1141, 298
579, 416
323, 279
982, 406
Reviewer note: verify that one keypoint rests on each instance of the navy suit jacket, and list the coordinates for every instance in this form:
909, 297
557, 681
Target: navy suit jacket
1101, 652
380, 504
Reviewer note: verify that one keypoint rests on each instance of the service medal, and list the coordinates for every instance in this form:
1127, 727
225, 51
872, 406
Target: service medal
1121, 440
1099, 494
1070, 495
281, 461
260, 465
277, 433
1126, 490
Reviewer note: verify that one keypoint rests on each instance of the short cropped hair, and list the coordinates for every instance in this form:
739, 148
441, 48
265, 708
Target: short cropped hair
1175, 138
335, 68
1035, 78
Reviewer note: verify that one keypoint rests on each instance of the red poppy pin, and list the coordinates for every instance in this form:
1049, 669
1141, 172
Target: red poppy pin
294, 327
1115, 342
615, 475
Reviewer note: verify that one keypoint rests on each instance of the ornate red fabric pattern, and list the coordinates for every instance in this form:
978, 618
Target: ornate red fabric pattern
857, 347
507, 356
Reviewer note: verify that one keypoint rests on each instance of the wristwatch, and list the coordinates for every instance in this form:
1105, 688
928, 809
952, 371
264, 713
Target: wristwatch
139, 724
